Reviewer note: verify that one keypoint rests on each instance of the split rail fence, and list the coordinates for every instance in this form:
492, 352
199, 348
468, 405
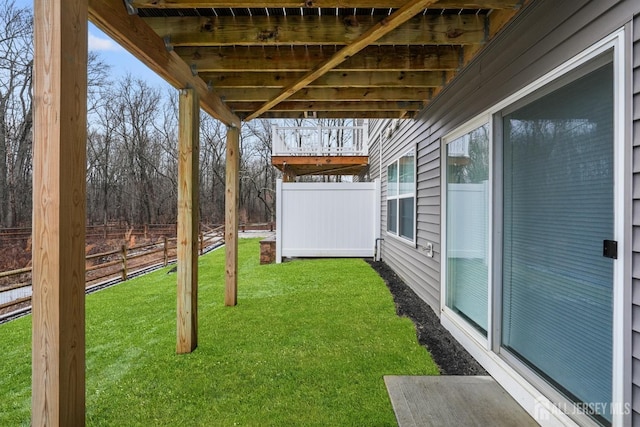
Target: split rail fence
107, 268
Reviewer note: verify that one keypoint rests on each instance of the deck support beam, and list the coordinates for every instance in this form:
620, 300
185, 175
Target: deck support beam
374, 33
59, 212
188, 221
231, 216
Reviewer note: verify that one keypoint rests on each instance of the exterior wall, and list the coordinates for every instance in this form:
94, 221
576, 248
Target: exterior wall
636, 225
545, 35
411, 263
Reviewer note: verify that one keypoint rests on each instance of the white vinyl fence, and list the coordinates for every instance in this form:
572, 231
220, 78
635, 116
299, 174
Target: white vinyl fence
468, 205
327, 219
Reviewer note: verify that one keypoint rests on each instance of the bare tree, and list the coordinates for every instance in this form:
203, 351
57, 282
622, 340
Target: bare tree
257, 173
16, 54
212, 167
103, 177
138, 106
16, 114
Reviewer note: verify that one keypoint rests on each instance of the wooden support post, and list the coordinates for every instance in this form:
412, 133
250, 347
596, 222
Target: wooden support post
188, 189
59, 212
231, 216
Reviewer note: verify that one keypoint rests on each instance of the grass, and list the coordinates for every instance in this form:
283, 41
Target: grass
307, 344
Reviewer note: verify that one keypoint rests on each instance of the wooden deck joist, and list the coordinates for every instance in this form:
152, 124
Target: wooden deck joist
339, 115
366, 4
320, 165
333, 79
327, 106
303, 59
316, 30
354, 94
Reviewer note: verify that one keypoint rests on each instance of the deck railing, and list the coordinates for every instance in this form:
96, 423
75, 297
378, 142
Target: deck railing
320, 140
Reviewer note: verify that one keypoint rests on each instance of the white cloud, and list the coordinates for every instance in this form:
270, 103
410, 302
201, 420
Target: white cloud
102, 44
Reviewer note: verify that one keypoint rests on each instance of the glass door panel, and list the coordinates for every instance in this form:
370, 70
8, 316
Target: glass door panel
558, 208
468, 226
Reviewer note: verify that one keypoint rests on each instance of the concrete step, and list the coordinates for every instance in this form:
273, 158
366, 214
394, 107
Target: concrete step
461, 401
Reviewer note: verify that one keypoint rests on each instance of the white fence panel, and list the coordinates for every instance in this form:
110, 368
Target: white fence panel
468, 205
327, 219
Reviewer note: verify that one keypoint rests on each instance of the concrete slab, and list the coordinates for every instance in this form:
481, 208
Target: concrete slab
461, 401
251, 234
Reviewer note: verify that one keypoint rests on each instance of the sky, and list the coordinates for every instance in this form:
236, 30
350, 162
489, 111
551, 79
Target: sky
121, 61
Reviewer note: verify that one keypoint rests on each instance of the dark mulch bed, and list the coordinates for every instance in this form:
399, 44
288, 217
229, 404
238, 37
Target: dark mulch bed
448, 354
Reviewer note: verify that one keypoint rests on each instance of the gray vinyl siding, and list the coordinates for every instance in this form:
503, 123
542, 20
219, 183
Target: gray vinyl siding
409, 260
546, 34
635, 347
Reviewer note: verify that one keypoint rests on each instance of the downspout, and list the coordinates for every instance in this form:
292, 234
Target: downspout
380, 155
377, 253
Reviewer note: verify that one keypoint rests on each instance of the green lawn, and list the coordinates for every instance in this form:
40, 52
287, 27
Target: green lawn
307, 344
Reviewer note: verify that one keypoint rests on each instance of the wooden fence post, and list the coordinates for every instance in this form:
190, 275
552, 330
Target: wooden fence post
166, 252
124, 262
201, 243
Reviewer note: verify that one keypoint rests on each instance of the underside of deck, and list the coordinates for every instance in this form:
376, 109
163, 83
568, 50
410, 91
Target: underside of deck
320, 165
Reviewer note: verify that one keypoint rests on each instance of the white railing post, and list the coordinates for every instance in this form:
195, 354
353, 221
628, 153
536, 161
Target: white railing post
275, 143
319, 141
365, 140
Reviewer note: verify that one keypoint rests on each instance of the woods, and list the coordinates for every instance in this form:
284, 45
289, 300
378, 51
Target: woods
131, 144
132, 160
132, 141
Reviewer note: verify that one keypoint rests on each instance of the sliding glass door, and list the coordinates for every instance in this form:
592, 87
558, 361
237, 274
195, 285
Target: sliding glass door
558, 193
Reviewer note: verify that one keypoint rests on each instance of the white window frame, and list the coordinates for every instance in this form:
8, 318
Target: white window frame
475, 123
487, 350
399, 196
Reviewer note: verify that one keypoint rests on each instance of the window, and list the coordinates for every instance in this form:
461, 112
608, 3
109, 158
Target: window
401, 201
467, 224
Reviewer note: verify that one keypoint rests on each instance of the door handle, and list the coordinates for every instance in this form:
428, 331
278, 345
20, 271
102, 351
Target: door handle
610, 249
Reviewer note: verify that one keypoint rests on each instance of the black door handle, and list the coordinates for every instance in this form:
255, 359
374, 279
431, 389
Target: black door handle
610, 249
